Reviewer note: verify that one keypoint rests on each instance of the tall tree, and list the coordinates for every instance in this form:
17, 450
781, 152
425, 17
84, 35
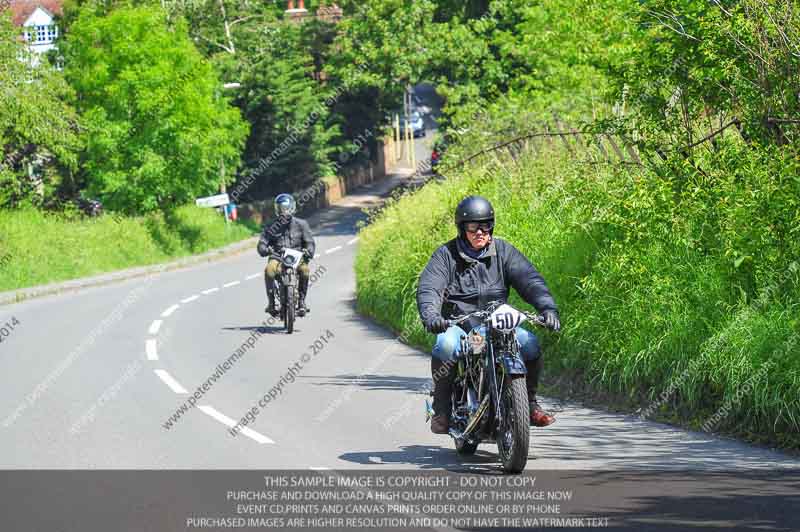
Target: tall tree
293, 131
158, 130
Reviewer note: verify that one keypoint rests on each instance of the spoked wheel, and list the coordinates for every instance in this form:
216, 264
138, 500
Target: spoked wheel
289, 309
513, 436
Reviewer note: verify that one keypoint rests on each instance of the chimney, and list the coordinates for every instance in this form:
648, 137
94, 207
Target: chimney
296, 14
331, 13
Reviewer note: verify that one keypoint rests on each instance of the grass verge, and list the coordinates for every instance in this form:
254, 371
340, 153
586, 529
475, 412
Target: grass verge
660, 311
38, 248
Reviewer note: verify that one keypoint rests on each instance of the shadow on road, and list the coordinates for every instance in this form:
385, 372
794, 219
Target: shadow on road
428, 457
584, 436
374, 382
377, 331
275, 329
337, 220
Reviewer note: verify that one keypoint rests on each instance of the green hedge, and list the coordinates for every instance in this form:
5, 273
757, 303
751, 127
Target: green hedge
38, 248
677, 288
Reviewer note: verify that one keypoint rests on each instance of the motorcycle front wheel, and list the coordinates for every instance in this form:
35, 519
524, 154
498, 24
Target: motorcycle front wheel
513, 436
290, 309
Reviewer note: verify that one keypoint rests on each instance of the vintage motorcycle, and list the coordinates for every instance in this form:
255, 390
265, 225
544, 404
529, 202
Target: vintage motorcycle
286, 287
489, 398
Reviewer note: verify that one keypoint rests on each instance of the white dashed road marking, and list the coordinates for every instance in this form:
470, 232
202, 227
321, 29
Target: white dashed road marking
225, 420
337, 248
174, 385
169, 311
150, 349
353, 241
319, 468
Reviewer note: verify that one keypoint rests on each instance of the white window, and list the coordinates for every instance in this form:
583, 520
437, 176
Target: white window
41, 34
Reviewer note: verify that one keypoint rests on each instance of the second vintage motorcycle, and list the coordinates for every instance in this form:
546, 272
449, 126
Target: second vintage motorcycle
286, 287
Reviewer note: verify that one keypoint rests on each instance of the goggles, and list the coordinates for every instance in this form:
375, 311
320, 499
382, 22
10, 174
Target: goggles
472, 227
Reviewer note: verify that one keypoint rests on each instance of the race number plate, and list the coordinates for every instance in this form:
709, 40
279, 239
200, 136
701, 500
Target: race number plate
507, 318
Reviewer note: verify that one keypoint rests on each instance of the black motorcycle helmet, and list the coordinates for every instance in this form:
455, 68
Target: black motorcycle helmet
473, 209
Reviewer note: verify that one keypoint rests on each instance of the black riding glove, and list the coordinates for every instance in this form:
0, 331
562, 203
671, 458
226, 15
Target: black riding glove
437, 325
551, 320
307, 254
263, 249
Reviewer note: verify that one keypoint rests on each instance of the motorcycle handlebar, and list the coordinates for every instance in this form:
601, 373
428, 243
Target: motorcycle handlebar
482, 314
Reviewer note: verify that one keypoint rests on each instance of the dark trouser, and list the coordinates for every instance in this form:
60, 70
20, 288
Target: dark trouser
273, 269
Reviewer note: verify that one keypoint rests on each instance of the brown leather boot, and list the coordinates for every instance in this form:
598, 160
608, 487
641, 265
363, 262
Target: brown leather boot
539, 418
440, 424
443, 374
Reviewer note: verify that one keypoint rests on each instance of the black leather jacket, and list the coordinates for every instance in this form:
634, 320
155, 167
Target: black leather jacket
295, 234
454, 283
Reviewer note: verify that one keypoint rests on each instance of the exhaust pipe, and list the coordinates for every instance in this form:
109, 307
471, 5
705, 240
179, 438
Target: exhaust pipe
472, 423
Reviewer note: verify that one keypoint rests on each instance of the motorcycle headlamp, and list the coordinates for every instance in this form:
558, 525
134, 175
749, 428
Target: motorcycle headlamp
477, 342
288, 260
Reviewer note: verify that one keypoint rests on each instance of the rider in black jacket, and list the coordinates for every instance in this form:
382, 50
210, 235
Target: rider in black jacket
463, 276
287, 231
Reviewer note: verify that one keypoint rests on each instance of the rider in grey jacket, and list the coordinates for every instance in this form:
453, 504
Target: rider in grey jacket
464, 275
287, 231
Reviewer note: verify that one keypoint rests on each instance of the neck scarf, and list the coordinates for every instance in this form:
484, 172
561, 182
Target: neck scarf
465, 247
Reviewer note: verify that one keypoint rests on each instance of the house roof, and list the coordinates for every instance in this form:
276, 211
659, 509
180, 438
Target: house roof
21, 10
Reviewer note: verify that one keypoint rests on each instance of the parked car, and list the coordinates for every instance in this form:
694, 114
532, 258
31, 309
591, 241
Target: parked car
416, 123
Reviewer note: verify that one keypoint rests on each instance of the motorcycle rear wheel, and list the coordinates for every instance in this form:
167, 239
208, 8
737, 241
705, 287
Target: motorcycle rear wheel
513, 437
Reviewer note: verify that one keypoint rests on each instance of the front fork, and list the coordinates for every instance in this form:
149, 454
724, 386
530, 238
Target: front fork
494, 385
